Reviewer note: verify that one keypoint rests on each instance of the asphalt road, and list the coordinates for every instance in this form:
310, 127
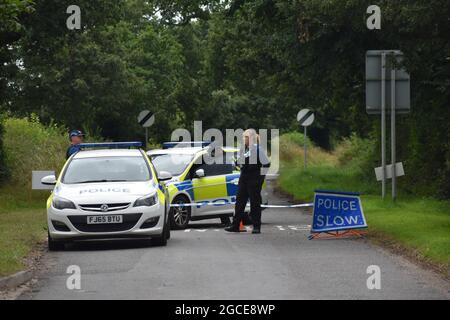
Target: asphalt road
204, 262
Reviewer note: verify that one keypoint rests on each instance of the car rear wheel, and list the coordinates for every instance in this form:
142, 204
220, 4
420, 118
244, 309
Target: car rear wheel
54, 245
179, 217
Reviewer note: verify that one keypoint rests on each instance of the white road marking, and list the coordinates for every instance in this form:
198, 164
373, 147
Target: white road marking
305, 227
300, 228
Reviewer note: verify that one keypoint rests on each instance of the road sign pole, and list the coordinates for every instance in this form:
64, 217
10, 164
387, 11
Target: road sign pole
305, 117
146, 120
400, 101
393, 157
383, 123
304, 128
146, 137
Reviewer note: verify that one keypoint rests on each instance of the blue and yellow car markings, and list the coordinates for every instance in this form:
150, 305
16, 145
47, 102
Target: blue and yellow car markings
185, 186
218, 189
232, 187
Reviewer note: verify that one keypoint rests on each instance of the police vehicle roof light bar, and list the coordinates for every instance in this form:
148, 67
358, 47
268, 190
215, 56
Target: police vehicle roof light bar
111, 145
185, 144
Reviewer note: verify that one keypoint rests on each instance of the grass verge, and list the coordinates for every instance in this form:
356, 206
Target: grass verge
415, 227
22, 227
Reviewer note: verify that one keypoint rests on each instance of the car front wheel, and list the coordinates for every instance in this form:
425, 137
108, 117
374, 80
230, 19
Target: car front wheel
161, 241
179, 216
54, 245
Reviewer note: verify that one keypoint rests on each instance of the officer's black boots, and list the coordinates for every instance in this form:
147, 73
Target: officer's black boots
256, 230
232, 228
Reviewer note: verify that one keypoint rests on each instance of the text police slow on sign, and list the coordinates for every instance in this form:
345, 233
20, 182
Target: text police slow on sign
337, 211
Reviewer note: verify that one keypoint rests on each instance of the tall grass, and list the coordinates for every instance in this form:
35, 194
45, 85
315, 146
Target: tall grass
292, 151
347, 164
3, 168
30, 145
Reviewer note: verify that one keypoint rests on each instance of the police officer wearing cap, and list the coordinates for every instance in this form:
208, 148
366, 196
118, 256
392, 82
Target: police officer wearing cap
75, 137
254, 163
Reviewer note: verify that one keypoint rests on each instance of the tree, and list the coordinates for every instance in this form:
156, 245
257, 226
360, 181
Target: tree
97, 78
10, 32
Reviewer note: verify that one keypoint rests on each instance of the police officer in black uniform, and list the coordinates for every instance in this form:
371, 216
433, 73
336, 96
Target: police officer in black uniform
253, 161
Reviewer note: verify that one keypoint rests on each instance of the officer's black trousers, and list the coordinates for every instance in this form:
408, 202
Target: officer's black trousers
249, 188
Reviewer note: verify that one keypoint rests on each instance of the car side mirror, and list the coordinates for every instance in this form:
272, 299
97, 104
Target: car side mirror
49, 180
199, 173
164, 176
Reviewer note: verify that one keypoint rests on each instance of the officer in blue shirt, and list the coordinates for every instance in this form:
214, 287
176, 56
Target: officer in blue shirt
75, 137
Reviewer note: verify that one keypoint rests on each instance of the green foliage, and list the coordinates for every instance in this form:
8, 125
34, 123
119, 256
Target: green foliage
98, 78
9, 14
11, 28
231, 64
287, 55
357, 153
346, 168
29, 145
297, 138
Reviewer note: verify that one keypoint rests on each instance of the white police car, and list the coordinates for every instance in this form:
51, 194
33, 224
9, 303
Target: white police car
107, 193
212, 187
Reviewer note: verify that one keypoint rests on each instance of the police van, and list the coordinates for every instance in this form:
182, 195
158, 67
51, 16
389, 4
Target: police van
199, 189
105, 191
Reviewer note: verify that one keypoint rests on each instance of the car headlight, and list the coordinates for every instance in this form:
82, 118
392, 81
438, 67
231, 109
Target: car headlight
146, 201
61, 203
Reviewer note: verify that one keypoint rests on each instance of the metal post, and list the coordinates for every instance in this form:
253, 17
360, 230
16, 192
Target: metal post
146, 138
305, 143
393, 158
383, 124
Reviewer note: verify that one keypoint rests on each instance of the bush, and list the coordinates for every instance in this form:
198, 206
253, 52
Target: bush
297, 138
29, 145
356, 152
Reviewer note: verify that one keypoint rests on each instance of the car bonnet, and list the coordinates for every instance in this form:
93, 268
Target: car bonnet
105, 192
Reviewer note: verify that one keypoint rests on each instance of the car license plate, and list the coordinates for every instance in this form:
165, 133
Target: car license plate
104, 219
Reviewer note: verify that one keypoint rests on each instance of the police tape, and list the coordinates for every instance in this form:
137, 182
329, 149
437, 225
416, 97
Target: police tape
201, 204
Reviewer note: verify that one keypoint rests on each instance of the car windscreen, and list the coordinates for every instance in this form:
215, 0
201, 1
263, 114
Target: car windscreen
173, 163
106, 169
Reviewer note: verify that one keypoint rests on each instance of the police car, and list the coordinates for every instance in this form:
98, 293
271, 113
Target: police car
199, 189
105, 193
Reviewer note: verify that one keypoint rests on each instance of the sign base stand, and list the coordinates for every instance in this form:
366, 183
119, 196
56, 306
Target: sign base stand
337, 234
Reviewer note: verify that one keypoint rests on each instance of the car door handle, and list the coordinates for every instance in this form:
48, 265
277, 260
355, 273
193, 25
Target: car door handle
235, 181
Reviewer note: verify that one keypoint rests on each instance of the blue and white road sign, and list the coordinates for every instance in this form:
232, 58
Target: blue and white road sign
334, 210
